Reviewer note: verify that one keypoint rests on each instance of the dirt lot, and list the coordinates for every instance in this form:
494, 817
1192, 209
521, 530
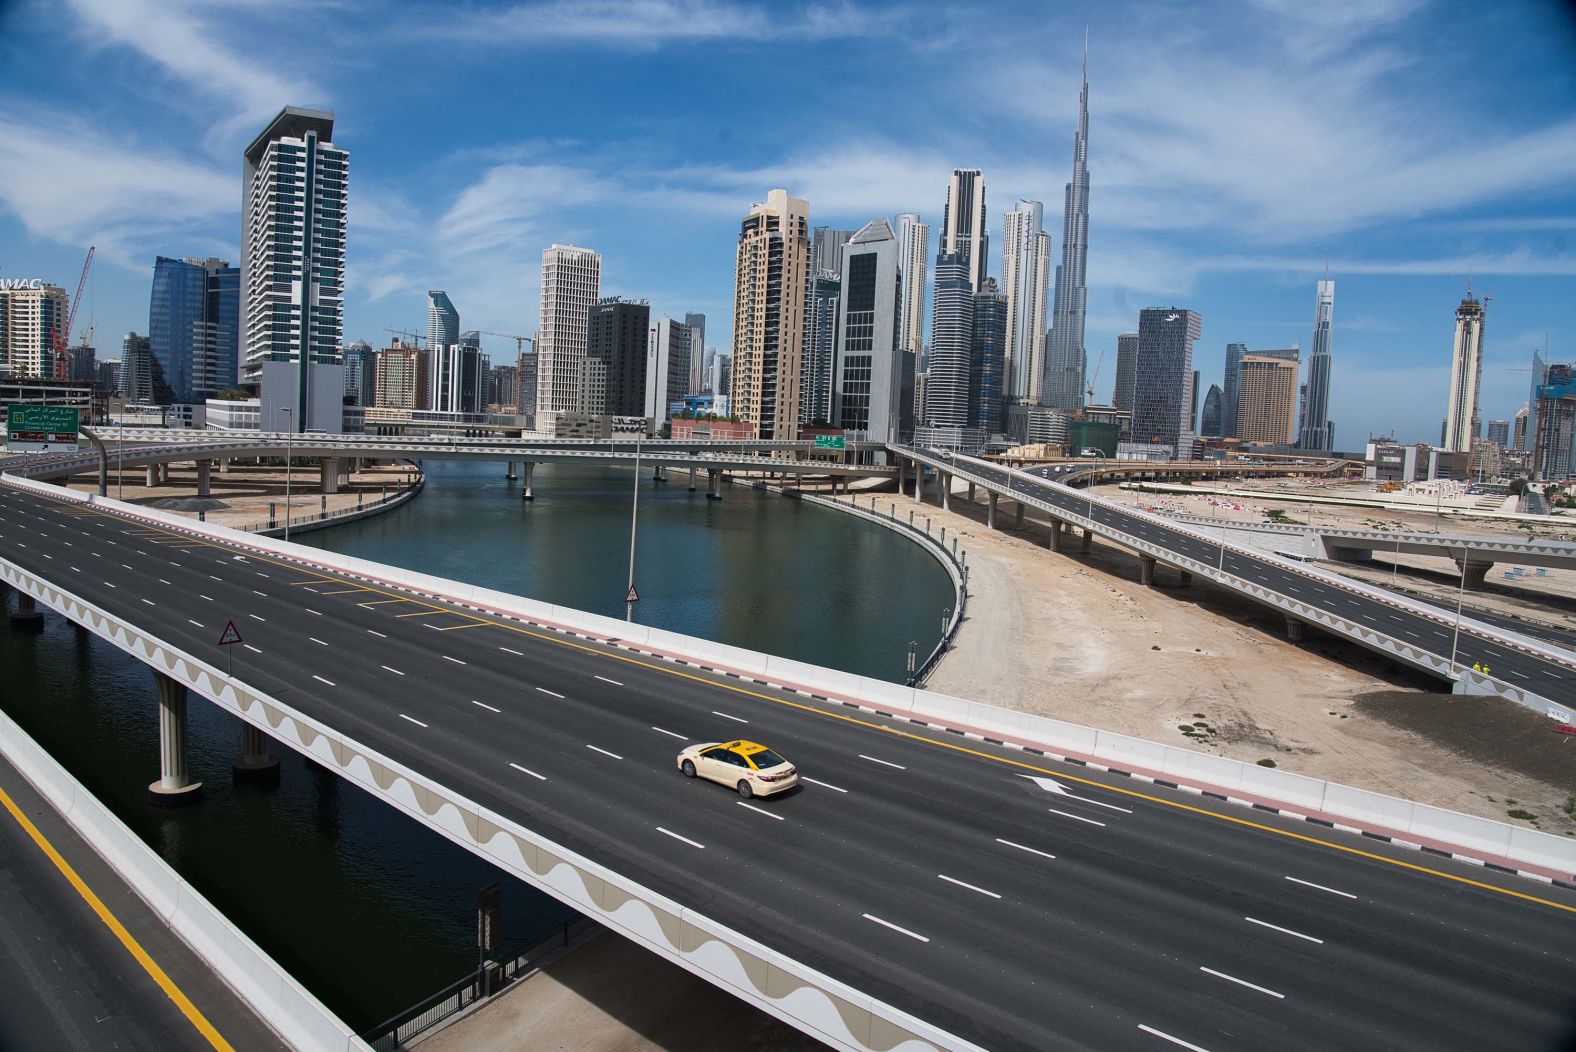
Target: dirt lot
1076, 637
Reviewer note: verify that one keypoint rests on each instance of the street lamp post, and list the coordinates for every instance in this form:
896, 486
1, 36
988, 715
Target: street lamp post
634, 519
120, 456
288, 431
1460, 595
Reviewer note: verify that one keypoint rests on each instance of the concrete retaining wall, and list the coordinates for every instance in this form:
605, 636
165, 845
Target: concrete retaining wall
298, 1017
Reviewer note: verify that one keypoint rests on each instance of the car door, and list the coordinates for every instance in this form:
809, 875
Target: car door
710, 764
730, 767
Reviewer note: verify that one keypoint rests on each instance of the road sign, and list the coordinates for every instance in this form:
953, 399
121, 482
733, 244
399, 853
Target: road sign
831, 442
40, 428
632, 596
231, 634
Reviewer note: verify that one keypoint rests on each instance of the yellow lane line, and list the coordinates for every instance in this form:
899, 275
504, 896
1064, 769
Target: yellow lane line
430, 612
377, 602
1003, 760
342, 591
474, 624
149, 965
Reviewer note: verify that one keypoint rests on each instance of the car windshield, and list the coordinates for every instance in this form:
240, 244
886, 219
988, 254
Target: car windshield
767, 759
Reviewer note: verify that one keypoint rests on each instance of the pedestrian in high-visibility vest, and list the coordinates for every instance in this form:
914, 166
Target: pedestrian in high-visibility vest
1476, 667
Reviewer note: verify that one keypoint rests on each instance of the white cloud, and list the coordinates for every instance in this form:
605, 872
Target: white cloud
67, 182
648, 24
171, 35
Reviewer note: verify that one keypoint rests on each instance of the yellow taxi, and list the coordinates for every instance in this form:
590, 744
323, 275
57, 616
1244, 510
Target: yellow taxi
749, 768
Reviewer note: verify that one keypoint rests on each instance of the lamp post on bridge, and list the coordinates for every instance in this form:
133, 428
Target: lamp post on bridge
1461, 592
630, 596
289, 430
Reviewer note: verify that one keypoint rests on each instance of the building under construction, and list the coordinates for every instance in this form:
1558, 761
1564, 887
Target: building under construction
1556, 428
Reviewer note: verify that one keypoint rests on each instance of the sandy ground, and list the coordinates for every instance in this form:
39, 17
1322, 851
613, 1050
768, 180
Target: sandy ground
1076, 637
247, 490
613, 996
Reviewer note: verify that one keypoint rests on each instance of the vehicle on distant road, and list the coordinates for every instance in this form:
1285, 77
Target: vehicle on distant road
749, 768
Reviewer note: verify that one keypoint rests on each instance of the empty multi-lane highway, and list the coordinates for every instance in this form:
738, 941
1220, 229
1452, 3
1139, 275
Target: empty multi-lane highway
1080, 911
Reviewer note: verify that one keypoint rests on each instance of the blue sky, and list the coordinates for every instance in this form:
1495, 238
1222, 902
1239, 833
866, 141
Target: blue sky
1234, 149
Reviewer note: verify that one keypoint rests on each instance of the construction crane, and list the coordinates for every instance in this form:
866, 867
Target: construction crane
519, 353
411, 338
1098, 362
63, 332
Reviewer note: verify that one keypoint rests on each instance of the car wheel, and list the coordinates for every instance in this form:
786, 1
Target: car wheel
688, 769
745, 790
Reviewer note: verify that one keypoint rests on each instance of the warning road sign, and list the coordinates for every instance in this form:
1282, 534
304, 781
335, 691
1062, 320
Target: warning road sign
632, 597
231, 634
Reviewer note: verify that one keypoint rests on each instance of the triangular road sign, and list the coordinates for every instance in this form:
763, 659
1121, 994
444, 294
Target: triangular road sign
632, 597
231, 634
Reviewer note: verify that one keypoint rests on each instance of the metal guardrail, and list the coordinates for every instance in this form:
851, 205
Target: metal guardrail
459, 995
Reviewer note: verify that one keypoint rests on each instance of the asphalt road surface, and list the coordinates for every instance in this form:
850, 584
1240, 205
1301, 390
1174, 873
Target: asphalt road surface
923, 869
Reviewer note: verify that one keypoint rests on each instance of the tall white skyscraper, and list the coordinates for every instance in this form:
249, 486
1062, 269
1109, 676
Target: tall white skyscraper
1065, 357
1317, 431
963, 230
571, 284
1466, 376
293, 252
29, 319
874, 389
1025, 272
913, 250
771, 273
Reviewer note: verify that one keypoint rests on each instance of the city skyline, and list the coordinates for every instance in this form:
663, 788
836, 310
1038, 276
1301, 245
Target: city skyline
1233, 237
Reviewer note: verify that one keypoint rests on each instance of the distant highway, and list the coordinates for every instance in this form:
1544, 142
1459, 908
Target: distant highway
1078, 912
1544, 677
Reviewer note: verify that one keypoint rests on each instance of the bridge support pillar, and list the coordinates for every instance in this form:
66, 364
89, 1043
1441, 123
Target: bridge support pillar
1146, 571
328, 475
256, 763
1186, 579
1056, 535
971, 493
1294, 629
1017, 517
27, 618
1088, 542
204, 470
224, 465
990, 511
713, 483
1474, 573
529, 467
902, 476
692, 478
659, 473
945, 481
174, 786
152, 475
511, 474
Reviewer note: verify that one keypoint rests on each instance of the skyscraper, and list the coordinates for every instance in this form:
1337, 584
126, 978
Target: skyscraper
293, 256
1317, 431
1466, 374
874, 391
29, 319
913, 250
192, 325
400, 376
1210, 426
820, 324
1065, 360
988, 365
443, 320
616, 334
1126, 370
951, 344
457, 375
1498, 432
571, 281
697, 377
670, 350
771, 273
1267, 405
360, 371
1025, 272
963, 230
1540, 374
1163, 377
1230, 387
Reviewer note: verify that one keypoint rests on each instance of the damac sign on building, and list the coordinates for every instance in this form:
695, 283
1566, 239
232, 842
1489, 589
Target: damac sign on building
9, 284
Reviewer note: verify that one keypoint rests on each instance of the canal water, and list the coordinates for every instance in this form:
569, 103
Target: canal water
369, 910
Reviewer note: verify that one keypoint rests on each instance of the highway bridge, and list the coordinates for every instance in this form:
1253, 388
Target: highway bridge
1523, 669
922, 890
